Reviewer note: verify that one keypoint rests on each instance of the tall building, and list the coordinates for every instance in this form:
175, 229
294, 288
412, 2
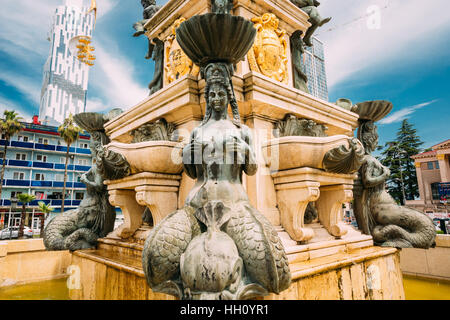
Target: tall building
313, 65
65, 78
35, 164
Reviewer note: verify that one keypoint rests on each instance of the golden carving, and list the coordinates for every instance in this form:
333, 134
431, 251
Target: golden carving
177, 63
440, 156
269, 53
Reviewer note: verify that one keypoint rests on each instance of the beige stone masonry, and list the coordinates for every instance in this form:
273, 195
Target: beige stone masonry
25, 261
291, 17
297, 187
158, 192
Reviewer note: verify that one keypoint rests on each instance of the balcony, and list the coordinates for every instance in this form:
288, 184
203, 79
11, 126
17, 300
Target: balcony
35, 203
45, 165
46, 147
42, 184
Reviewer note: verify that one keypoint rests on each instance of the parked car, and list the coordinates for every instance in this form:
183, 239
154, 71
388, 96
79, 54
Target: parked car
10, 232
27, 232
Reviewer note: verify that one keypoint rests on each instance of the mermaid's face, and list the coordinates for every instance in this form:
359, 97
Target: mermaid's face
218, 98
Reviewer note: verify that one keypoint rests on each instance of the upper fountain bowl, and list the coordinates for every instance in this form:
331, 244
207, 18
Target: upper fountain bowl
215, 37
373, 110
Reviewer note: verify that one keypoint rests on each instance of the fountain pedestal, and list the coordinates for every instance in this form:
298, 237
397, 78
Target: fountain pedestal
156, 191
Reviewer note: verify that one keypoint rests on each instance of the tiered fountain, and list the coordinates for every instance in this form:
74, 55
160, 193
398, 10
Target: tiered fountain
241, 203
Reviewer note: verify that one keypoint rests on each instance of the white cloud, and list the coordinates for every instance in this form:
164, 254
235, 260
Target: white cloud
30, 88
405, 113
351, 46
113, 79
6, 104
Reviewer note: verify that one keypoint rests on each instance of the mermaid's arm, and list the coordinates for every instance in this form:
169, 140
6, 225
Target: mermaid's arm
189, 164
368, 177
250, 166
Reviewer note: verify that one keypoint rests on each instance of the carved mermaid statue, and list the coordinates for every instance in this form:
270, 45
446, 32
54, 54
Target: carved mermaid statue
80, 228
218, 246
376, 211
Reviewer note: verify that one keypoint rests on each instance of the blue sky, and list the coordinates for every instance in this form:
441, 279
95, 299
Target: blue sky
398, 50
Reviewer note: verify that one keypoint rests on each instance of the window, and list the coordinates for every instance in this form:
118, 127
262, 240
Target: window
79, 196
43, 141
41, 158
83, 162
18, 176
59, 177
14, 194
40, 177
3, 136
84, 146
435, 191
21, 156
430, 165
437, 165
40, 195
62, 160
22, 138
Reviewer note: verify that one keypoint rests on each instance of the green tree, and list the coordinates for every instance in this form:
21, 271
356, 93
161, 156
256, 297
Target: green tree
402, 184
70, 133
25, 199
9, 126
46, 210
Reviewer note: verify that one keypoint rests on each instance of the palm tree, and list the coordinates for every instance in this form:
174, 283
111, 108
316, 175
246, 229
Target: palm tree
9, 127
70, 133
25, 198
45, 209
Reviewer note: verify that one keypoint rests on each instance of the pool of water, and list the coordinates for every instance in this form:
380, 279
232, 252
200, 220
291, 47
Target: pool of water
415, 289
419, 289
46, 290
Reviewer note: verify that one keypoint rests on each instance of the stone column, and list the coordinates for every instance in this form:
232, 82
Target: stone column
161, 200
444, 167
420, 181
132, 212
329, 206
293, 199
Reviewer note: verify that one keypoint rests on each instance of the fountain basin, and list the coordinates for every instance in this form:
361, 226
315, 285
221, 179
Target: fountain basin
297, 151
373, 110
215, 37
151, 156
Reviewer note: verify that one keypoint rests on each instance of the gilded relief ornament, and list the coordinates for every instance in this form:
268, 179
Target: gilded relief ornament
177, 63
269, 53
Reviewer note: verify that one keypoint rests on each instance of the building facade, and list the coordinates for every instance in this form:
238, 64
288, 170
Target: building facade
433, 177
313, 65
35, 164
65, 78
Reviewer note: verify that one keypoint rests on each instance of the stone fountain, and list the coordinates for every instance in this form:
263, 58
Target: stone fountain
233, 177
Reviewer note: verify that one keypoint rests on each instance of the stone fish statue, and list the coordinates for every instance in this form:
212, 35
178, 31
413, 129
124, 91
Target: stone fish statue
218, 246
310, 8
376, 211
